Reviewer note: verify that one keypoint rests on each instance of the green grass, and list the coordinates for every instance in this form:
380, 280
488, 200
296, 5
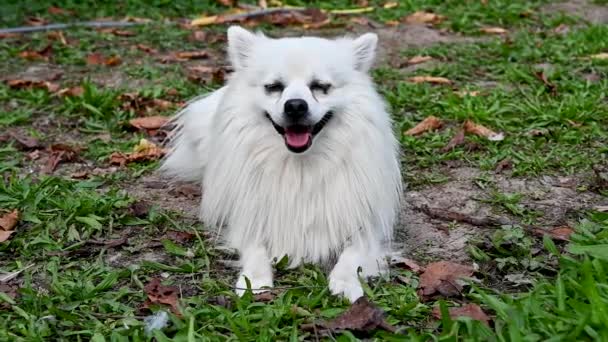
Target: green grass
74, 288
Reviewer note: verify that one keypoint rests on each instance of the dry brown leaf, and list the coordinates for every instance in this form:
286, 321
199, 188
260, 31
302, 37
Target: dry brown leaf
408, 263
95, 59
36, 21
421, 17
146, 48
362, 316
43, 54
204, 21
472, 311
505, 164
228, 3
60, 153
493, 30
59, 11
558, 233
29, 84
192, 54
58, 36
206, 74
80, 175
73, 91
23, 140
113, 61
5, 235
428, 124
429, 79
9, 221
390, 4
392, 23
142, 105
419, 59
162, 294
198, 36
603, 55
551, 87
149, 122
117, 32
473, 128
472, 93
178, 236
8, 35
144, 151
457, 140
443, 278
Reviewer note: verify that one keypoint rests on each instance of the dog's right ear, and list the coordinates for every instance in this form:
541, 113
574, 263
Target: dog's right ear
240, 45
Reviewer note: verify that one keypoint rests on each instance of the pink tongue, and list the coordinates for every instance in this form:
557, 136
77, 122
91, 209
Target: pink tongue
297, 139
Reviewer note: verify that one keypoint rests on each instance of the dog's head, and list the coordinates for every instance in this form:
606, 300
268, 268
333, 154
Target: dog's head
300, 85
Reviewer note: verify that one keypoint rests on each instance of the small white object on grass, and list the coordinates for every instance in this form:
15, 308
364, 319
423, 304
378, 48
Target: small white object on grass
156, 322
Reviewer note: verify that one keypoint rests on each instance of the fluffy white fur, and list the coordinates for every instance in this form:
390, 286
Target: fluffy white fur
339, 199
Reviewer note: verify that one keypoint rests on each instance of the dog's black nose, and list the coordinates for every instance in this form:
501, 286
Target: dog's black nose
296, 108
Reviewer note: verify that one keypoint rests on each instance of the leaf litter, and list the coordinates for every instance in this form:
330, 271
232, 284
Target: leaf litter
443, 278
161, 295
470, 310
8, 222
428, 124
143, 151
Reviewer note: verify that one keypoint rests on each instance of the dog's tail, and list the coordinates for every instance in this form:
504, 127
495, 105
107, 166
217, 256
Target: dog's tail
186, 158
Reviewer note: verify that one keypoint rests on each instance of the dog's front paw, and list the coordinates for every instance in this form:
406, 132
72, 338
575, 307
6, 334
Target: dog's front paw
345, 284
258, 284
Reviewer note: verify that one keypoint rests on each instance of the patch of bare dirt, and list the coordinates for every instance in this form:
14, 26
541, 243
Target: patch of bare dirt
179, 197
587, 10
423, 236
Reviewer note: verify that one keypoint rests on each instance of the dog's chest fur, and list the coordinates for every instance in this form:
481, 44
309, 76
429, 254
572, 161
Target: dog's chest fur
303, 206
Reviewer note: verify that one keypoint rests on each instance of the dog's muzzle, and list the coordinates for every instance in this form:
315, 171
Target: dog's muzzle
298, 138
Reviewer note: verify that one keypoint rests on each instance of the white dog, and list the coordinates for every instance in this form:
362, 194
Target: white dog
296, 156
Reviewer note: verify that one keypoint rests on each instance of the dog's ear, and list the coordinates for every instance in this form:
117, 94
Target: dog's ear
365, 51
240, 45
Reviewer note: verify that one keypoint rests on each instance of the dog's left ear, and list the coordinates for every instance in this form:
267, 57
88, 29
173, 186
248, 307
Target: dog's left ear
240, 46
365, 51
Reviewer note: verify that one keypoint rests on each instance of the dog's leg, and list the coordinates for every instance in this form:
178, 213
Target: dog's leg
256, 267
344, 279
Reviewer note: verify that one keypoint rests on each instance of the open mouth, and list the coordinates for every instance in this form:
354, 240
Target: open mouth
298, 138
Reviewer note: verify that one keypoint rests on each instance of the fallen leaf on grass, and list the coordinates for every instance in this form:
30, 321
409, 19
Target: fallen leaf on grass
43, 54
472, 93
603, 55
419, 59
505, 164
8, 222
144, 151
551, 87
146, 48
408, 263
31, 84
117, 32
228, 3
473, 128
493, 30
390, 4
72, 92
143, 105
457, 140
206, 74
25, 141
8, 35
472, 311
443, 277
309, 18
179, 236
161, 294
421, 17
362, 316
58, 36
264, 297
183, 56
59, 11
428, 124
36, 21
97, 58
429, 79
149, 123
139, 209
558, 233
60, 153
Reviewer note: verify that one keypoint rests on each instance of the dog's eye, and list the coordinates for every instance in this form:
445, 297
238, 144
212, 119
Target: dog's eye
276, 87
318, 86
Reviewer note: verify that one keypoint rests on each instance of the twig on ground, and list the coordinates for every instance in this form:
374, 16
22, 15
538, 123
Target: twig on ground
451, 216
